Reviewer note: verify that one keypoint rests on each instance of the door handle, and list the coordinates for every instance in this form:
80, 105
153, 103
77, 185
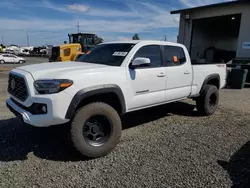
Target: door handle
161, 75
187, 72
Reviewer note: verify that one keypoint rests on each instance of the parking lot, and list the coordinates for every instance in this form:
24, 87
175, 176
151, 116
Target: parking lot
29, 61
166, 146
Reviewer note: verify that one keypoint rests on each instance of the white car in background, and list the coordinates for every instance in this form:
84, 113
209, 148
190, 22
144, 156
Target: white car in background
10, 58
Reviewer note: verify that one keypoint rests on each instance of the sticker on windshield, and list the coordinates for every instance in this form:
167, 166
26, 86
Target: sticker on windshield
120, 53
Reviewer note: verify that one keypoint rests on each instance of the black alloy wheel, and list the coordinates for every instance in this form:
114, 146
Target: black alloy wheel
212, 100
97, 129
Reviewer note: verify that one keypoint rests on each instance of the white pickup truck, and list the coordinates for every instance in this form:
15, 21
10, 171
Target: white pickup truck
113, 79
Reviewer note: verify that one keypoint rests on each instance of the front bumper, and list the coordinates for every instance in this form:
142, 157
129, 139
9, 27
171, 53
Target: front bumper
15, 112
52, 117
29, 109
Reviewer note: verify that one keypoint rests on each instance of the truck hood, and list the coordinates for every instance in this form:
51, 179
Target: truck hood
57, 68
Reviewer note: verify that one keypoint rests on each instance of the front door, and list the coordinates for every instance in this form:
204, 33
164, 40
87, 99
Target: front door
147, 83
178, 72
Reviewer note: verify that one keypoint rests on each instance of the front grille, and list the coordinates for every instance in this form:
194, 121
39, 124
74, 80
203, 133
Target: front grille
17, 87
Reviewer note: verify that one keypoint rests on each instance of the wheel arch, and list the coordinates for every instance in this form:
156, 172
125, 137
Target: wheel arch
97, 94
213, 79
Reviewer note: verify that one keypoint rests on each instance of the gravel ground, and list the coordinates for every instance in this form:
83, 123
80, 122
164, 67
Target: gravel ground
166, 146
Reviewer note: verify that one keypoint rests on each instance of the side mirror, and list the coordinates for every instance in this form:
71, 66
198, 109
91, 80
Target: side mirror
140, 61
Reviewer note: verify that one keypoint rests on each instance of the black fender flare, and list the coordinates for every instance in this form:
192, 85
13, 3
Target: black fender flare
95, 90
208, 78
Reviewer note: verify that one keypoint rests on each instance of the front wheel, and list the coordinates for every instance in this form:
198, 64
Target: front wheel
21, 61
2, 61
96, 129
208, 101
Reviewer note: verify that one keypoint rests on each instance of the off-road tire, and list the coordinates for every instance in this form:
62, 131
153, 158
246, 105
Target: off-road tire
203, 102
82, 115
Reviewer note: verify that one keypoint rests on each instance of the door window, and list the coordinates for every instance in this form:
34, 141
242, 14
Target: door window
173, 56
153, 52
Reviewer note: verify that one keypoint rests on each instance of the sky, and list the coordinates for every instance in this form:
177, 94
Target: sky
50, 21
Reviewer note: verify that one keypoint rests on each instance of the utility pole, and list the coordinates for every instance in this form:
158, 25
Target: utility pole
2, 41
28, 39
78, 27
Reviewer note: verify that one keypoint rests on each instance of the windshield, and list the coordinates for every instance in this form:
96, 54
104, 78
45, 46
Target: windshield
107, 54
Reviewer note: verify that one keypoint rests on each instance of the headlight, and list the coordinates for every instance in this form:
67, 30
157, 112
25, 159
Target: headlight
51, 86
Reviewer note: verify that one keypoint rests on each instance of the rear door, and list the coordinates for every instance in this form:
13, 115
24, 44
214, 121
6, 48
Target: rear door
178, 72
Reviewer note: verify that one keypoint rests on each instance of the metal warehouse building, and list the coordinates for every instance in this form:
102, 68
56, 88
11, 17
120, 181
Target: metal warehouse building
217, 32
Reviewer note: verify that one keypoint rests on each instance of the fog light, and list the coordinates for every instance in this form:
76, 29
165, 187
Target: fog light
44, 109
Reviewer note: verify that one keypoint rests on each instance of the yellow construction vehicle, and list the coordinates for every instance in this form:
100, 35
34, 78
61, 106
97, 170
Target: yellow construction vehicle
79, 43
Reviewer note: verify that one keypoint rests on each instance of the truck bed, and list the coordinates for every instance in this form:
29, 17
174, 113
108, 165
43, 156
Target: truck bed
202, 71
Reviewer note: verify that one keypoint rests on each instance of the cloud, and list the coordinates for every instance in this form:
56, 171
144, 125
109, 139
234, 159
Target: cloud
78, 8
155, 17
123, 38
190, 3
47, 4
55, 31
139, 17
98, 25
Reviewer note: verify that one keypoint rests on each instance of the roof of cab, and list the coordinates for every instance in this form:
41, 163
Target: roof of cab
125, 41
143, 41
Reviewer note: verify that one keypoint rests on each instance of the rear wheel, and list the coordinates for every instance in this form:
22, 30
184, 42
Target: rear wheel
208, 101
96, 129
2, 61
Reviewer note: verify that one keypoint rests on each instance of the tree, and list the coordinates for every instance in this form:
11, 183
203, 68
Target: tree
1, 47
136, 37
